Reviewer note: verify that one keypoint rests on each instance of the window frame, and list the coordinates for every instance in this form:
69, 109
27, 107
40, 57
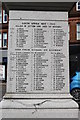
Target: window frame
77, 6
77, 32
1, 16
1, 39
5, 14
6, 40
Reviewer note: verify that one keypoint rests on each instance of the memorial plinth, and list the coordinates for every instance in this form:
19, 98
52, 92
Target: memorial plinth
38, 67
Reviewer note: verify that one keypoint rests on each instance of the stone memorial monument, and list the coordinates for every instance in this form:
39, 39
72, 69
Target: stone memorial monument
38, 67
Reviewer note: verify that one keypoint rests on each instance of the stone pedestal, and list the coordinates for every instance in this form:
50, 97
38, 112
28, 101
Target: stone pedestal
38, 67
56, 106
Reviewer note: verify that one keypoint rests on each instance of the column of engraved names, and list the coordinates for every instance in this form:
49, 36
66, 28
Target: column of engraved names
40, 58
22, 59
57, 58
58, 69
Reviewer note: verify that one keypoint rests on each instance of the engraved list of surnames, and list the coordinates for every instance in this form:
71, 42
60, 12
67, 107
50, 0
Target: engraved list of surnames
38, 53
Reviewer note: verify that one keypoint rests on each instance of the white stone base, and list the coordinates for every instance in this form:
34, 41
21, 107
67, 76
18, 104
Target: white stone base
40, 113
39, 108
